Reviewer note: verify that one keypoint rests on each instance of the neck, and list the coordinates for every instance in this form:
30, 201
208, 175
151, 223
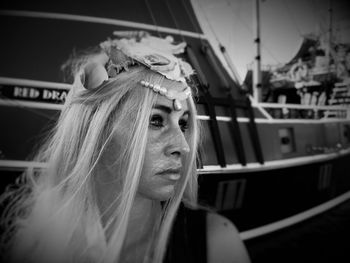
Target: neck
144, 216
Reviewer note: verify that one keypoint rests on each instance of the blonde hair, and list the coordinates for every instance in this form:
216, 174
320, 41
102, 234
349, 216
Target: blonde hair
54, 216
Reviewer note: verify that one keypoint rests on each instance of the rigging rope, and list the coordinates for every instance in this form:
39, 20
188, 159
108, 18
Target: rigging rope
292, 17
17, 104
250, 30
153, 18
194, 24
210, 26
174, 19
315, 11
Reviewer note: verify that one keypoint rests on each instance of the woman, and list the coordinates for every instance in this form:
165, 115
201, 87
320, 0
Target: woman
121, 183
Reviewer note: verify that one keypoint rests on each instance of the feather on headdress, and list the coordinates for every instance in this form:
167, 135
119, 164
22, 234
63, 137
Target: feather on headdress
137, 47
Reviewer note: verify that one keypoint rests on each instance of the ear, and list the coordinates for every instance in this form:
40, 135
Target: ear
95, 72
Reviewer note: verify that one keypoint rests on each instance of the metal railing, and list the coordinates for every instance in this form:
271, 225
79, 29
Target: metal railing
298, 111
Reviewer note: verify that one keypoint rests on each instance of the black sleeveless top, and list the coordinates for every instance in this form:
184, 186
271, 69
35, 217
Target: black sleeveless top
187, 241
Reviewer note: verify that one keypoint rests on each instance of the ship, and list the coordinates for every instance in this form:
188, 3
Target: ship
267, 163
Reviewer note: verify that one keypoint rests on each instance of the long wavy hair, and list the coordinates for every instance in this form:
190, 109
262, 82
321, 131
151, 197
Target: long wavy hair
53, 216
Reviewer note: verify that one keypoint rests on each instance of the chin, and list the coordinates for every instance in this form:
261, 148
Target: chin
161, 194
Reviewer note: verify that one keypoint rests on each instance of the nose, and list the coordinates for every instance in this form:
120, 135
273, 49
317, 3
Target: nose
177, 145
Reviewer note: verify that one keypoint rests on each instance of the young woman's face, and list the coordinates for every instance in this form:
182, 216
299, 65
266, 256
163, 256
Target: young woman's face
165, 150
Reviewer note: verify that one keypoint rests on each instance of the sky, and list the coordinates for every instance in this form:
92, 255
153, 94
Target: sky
282, 23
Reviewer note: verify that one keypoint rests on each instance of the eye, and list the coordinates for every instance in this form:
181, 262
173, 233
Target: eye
183, 125
156, 121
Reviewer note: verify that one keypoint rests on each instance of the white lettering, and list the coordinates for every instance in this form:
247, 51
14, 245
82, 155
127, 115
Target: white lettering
55, 95
17, 92
63, 96
33, 93
47, 94
25, 92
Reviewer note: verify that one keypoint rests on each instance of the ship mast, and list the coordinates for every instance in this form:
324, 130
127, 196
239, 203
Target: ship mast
257, 85
330, 35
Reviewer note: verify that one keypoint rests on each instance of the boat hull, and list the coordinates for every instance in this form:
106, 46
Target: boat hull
254, 170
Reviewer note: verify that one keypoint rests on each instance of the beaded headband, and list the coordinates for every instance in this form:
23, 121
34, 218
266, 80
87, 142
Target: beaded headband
175, 95
132, 48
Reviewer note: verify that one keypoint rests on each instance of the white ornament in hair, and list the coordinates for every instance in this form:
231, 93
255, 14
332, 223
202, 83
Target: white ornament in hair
135, 48
175, 95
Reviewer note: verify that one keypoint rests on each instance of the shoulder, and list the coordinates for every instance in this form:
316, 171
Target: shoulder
224, 243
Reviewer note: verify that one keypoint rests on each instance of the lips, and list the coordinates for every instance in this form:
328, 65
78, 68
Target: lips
171, 174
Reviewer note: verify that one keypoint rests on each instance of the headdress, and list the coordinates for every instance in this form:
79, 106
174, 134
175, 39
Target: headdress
131, 48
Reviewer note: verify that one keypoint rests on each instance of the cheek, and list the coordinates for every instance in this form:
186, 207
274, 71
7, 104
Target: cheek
153, 157
151, 186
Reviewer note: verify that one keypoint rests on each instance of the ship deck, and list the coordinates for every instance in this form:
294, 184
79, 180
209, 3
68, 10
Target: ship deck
323, 238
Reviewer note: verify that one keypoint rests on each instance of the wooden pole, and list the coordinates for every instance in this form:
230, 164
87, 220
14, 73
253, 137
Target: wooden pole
257, 85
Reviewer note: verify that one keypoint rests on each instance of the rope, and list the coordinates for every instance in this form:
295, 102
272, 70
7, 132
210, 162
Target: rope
210, 26
250, 30
194, 24
315, 11
18, 105
292, 17
153, 18
175, 21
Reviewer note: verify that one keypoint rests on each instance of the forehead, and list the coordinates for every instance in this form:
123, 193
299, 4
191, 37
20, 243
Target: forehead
176, 86
163, 101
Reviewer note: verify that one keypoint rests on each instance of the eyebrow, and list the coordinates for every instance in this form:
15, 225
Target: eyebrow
167, 109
